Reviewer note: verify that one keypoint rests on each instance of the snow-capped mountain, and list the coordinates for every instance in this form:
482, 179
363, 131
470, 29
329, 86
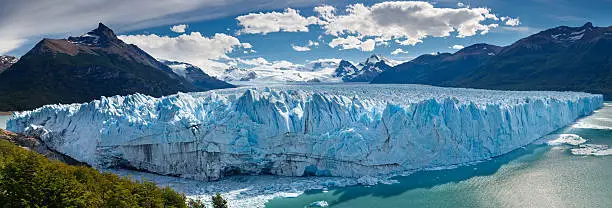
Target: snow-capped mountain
80, 69
561, 58
195, 75
6, 62
363, 72
301, 130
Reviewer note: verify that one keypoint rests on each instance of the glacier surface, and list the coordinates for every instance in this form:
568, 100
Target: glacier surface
296, 130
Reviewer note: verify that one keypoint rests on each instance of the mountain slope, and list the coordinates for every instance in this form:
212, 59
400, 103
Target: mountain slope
196, 76
80, 69
562, 58
6, 62
363, 72
439, 69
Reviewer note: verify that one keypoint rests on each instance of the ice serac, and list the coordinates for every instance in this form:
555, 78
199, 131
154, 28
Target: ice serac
331, 130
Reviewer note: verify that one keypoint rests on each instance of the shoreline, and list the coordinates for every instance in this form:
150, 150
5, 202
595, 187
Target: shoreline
6, 113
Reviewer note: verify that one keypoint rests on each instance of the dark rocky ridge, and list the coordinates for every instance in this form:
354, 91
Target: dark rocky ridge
561, 59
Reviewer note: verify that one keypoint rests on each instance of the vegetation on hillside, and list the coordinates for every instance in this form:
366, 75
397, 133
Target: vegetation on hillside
28, 179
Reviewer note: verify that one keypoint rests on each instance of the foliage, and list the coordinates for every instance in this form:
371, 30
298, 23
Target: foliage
196, 203
28, 179
218, 201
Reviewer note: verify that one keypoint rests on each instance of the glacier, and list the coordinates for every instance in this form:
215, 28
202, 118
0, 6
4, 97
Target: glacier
350, 130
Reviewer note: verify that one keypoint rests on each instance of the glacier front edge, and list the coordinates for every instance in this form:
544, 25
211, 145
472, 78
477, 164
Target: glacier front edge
322, 130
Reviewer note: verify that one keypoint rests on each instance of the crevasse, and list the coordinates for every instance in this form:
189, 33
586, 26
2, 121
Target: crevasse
331, 130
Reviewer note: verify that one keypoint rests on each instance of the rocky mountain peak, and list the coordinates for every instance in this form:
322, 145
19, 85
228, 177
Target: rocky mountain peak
373, 59
100, 36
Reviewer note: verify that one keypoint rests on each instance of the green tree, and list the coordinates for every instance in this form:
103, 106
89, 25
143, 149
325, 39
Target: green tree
28, 179
218, 201
196, 203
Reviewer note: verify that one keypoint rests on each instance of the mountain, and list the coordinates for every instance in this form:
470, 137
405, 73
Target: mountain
439, 69
562, 59
6, 62
196, 76
363, 72
80, 69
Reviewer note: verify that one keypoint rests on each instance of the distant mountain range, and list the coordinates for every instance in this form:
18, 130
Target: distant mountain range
561, 59
80, 69
324, 70
363, 72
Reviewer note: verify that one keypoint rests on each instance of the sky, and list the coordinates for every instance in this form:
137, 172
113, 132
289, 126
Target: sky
222, 33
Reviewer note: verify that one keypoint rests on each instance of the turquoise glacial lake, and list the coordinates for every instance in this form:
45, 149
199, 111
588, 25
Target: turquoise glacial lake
537, 175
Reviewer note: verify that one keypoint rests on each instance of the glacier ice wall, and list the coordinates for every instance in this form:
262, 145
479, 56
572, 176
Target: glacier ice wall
326, 130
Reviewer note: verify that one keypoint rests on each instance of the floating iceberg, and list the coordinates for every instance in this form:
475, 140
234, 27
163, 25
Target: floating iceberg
592, 149
296, 130
559, 139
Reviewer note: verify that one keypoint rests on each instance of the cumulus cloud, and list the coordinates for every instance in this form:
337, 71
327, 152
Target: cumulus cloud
457, 47
410, 22
352, 42
398, 51
406, 22
511, 21
192, 48
289, 20
325, 12
179, 28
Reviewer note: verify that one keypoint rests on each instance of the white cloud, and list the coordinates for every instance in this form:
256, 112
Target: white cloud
511, 21
192, 48
398, 51
254, 62
179, 28
352, 42
325, 12
457, 47
261, 63
6, 45
406, 22
247, 45
313, 43
306, 47
288, 21
300, 48
409, 21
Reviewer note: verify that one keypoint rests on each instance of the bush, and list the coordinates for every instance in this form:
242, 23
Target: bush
28, 179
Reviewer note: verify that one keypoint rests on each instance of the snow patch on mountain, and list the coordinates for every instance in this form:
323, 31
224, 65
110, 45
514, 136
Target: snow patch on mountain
365, 71
302, 130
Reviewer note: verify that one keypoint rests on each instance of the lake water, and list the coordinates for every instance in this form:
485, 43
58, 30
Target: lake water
534, 176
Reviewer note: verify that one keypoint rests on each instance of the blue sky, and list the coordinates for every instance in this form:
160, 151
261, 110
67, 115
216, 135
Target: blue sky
534, 15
